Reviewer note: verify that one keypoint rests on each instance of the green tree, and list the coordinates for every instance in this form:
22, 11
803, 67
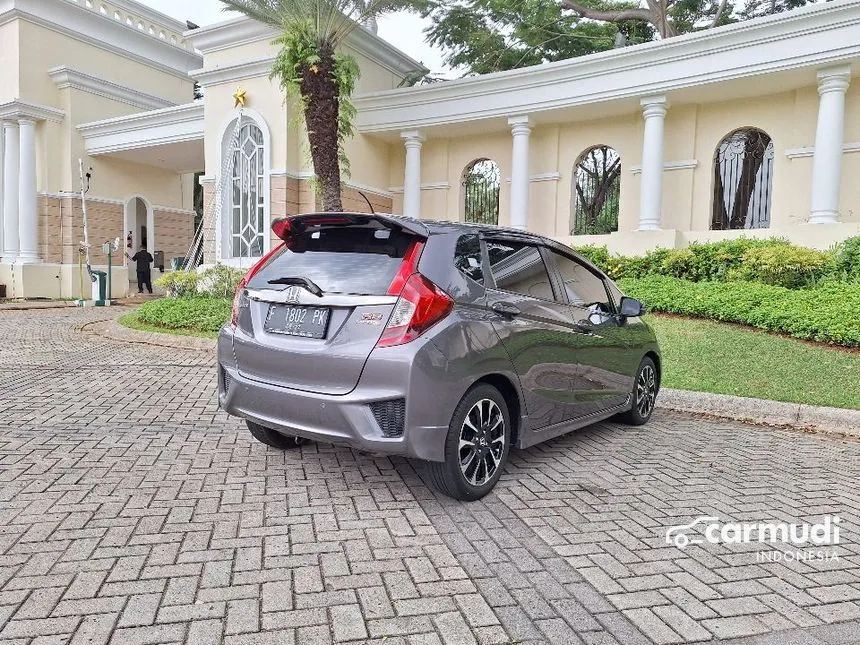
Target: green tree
310, 66
483, 36
672, 17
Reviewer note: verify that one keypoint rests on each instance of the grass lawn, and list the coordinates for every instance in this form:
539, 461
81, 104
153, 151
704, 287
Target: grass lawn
710, 356
131, 321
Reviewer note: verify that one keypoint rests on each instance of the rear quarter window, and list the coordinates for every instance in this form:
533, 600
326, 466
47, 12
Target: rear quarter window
467, 258
344, 259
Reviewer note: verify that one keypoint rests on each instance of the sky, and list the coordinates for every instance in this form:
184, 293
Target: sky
403, 30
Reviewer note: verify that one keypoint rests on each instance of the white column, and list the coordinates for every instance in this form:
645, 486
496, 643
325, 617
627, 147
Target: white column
827, 159
651, 180
28, 221
521, 128
413, 139
10, 191
2, 160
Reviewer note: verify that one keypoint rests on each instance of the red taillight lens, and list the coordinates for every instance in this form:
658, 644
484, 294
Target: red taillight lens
234, 317
421, 305
407, 268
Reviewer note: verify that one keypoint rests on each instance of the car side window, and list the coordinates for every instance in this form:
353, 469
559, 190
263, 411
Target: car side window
583, 288
467, 258
519, 268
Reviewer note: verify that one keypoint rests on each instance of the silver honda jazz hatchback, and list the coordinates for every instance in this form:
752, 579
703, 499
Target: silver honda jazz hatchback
440, 341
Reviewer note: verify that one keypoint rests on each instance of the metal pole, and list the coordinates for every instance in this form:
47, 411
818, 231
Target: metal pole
107, 295
84, 210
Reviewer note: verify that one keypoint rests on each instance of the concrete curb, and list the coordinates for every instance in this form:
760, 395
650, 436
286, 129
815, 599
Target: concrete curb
840, 421
25, 305
112, 330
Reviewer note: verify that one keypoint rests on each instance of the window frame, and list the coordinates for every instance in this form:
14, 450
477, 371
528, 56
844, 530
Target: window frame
223, 197
559, 278
490, 279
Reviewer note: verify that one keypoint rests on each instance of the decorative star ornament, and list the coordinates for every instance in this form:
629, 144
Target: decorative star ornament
239, 97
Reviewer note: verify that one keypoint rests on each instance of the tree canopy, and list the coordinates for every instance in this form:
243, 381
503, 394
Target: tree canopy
482, 36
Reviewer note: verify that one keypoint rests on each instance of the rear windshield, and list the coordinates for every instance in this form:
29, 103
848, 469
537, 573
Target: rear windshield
343, 259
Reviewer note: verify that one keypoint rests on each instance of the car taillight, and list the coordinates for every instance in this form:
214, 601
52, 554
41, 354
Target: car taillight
420, 306
240, 290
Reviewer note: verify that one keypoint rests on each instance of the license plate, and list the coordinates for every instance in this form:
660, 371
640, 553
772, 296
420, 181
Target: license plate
308, 322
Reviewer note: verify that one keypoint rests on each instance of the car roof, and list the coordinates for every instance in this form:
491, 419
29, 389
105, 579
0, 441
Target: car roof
433, 226
446, 226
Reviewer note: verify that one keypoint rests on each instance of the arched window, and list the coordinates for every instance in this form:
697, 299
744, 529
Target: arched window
245, 189
481, 184
743, 180
596, 192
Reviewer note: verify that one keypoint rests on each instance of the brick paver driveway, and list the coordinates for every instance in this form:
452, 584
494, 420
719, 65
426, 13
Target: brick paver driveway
133, 511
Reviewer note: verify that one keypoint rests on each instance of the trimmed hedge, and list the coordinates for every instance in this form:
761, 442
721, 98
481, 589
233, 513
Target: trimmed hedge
201, 313
771, 261
827, 313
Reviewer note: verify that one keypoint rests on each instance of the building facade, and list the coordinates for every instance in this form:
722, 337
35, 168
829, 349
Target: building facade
63, 64
749, 129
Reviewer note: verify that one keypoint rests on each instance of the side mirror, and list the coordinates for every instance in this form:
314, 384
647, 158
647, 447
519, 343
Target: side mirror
631, 308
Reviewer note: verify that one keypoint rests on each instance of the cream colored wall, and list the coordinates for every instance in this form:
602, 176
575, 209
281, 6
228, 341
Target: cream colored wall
9, 72
265, 98
692, 134
41, 48
369, 157
624, 134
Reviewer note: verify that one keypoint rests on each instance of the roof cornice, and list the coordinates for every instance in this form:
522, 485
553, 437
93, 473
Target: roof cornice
89, 25
813, 36
242, 30
176, 124
185, 113
66, 77
25, 110
233, 73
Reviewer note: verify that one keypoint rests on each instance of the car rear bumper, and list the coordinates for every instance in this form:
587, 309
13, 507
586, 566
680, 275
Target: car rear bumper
339, 419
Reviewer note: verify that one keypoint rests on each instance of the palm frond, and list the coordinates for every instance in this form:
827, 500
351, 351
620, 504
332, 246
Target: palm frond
332, 20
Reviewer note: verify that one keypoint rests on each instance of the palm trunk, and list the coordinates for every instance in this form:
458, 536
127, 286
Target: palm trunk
320, 93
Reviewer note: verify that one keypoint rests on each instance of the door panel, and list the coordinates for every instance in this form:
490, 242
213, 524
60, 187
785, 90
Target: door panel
606, 359
536, 331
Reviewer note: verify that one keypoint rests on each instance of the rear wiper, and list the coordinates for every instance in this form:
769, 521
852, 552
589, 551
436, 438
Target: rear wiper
307, 283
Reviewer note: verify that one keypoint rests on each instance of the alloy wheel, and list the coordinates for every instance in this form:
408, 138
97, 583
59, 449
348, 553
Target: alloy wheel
482, 442
646, 390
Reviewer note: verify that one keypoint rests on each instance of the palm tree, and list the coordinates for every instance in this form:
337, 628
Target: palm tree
309, 63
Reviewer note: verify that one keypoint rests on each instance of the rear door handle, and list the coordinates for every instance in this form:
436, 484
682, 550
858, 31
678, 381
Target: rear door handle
505, 309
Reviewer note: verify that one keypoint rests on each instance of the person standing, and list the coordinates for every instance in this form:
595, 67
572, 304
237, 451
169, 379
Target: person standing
144, 271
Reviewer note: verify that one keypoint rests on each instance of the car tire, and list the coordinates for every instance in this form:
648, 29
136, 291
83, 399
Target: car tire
274, 439
488, 445
646, 386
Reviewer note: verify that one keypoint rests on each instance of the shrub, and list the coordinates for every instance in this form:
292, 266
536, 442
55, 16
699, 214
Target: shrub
201, 313
597, 255
771, 261
782, 265
220, 281
845, 261
824, 313
179, 283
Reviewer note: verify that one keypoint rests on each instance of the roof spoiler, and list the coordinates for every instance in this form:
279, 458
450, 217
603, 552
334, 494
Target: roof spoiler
284, 226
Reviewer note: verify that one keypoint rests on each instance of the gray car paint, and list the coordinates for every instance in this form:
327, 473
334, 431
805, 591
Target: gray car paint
327, 400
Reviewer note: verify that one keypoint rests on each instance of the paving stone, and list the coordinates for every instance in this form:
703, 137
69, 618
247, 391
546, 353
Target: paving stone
149, 516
